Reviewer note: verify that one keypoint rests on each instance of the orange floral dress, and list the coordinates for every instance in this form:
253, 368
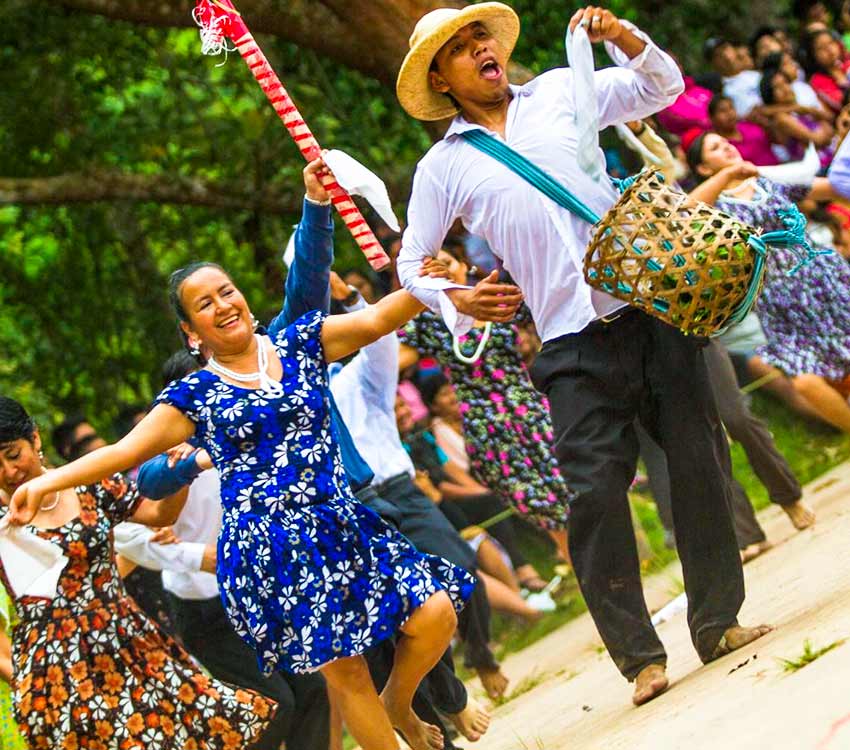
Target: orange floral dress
93, 672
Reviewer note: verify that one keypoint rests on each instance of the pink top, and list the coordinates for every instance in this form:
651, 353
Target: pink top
754, 144
690, 110
829, 92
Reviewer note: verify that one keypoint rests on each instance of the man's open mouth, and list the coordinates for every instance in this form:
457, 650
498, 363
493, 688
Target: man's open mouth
491, 70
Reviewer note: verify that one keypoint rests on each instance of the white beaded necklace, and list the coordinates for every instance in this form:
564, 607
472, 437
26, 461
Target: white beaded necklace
267, 383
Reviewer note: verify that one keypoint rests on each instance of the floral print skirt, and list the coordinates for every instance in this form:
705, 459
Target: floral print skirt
108, 679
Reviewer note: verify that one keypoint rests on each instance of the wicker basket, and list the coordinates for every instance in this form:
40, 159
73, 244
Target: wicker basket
678, 259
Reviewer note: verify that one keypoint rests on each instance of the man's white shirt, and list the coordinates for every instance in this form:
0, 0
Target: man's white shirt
541, 244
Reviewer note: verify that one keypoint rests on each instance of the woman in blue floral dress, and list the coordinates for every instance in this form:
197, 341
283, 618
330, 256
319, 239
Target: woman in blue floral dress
803, 309
309, 577
506, 423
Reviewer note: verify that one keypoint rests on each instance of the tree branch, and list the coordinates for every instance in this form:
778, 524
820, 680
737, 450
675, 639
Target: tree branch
118, 186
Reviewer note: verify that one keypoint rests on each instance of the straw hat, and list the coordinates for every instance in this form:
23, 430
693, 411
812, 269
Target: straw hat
432, 32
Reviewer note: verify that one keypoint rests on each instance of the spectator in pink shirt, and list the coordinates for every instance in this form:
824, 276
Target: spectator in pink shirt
750, 139
689, 111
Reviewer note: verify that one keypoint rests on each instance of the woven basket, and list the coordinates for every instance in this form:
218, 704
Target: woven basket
677, 259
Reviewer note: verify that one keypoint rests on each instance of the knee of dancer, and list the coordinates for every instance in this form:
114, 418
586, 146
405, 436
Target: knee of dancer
436, 616
348, 674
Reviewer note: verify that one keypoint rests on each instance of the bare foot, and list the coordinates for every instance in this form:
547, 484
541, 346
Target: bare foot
494, 681
472, 722
801, 515
415, 732
737, 637
650, 682
752, 551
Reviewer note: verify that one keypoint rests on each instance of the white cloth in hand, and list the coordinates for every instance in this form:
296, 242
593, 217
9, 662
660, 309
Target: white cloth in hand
359, 180
33, 565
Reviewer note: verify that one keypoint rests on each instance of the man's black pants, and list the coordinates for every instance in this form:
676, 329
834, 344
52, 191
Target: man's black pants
303, 715
743, 427
597, 382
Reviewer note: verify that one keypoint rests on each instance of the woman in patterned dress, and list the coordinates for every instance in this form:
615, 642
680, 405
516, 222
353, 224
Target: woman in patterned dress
310, 578
506, 422
91, 670
803, 309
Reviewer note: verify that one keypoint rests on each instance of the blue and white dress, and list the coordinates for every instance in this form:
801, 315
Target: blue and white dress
306, 573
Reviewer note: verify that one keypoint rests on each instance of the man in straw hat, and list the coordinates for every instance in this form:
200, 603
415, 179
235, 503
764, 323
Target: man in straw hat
602, 363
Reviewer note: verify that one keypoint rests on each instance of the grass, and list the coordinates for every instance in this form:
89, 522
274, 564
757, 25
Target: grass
524, 686
808, 656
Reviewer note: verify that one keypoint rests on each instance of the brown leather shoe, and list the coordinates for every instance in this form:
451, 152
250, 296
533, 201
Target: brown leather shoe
650, 682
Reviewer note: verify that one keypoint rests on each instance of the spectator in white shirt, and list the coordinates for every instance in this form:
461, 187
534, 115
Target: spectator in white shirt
601, 363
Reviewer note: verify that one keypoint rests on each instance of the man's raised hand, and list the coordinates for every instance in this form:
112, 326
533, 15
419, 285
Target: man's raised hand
601, 24
488, 300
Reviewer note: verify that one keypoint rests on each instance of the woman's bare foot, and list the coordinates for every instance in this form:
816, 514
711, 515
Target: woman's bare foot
801, 515
737, 637
752, 551
472, 722
414, 731
650, 682
494, 681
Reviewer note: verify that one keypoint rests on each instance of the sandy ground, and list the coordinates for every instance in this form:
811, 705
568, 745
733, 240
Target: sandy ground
577, 699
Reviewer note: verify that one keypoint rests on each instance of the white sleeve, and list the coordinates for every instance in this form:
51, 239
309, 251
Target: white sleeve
637, 87
374, 369
133, 541
429, 218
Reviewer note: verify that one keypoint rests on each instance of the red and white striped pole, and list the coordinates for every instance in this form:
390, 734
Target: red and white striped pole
219, 17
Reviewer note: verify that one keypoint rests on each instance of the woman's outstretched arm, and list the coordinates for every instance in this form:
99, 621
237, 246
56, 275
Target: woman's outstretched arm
162, 428
344, 334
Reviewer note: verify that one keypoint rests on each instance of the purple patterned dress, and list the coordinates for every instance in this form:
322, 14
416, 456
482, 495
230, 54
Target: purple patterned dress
805, 315
506, 422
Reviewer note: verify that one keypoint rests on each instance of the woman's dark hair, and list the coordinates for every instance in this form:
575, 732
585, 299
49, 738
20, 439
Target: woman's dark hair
806, 53
178, 366
768, 95
760, 33
715, 102
430, 386
694, 155
773, 60
15, 422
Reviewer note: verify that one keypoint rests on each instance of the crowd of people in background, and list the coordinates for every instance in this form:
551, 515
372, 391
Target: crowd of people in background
443, 438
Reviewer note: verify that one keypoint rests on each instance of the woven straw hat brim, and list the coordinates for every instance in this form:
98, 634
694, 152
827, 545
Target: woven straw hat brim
413, 87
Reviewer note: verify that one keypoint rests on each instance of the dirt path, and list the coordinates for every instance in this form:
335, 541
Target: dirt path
577, 700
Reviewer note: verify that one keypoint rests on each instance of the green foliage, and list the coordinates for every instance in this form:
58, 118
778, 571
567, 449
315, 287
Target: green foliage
84, 322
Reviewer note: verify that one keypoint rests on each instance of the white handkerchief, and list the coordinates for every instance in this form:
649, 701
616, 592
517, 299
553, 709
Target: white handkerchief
794, 172
358, 180
33, 565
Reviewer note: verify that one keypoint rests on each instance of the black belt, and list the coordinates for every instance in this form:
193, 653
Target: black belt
606, 321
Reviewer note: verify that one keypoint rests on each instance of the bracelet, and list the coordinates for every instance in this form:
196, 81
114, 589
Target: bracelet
317, 203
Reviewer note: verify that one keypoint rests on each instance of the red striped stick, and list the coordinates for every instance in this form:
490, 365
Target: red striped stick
220, 18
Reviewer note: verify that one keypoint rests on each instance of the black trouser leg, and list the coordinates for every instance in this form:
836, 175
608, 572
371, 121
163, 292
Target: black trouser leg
302, 718
430, 532
656, 471
747, 528
769, 465
679, 411
593, 384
